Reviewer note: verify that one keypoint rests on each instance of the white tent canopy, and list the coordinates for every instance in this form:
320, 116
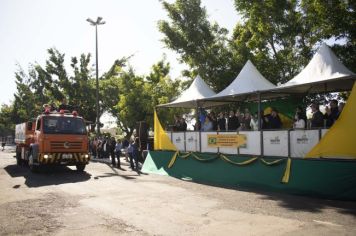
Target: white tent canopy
324, 73
248, 81
189, 98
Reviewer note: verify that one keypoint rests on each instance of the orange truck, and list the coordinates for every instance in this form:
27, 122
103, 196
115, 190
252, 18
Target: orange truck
53, 138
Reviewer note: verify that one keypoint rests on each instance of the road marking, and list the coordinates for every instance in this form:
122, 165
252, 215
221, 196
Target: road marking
327, 223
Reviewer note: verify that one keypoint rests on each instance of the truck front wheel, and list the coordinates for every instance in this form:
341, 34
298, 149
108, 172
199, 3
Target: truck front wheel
80, 167
33, 167
18, 157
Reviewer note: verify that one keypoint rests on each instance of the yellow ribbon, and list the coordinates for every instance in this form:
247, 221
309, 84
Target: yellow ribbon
185, 156
272, 162
201, 159
238, 163
173, 160
286, 175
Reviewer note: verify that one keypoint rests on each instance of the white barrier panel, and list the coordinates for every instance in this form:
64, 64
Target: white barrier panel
178, 140
253, 146
302, 141
192, 141
275, 143
204, 143
323, 132
169, 133
228, 150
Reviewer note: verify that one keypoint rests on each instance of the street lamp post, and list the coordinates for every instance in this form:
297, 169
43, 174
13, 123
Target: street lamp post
99, 21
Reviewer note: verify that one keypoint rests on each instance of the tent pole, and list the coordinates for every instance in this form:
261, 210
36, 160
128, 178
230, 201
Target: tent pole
196, 123
259, 112
260, 123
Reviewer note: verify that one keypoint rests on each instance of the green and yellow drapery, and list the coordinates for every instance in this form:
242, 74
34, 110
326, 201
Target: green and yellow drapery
285, 178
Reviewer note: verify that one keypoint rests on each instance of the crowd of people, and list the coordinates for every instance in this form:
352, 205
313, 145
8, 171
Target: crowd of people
105, 147
234, 121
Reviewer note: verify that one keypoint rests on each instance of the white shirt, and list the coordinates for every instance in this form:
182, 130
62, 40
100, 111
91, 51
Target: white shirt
254, 124
299, 124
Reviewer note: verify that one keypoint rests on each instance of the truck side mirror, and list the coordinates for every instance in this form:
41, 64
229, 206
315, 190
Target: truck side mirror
29, 125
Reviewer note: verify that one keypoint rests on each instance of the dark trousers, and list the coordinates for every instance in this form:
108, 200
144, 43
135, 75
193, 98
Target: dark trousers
118, 154
131, 160
112, 154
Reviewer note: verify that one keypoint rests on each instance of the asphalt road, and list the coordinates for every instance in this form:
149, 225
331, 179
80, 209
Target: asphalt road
107, 201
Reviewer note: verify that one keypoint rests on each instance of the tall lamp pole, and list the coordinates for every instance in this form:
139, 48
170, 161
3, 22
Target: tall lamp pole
99, 21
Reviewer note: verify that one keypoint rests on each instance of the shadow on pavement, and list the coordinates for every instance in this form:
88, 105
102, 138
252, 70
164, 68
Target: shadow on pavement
296, 202
54, 175
115, 173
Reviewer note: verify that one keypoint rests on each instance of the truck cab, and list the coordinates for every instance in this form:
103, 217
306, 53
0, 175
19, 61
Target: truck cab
59, 138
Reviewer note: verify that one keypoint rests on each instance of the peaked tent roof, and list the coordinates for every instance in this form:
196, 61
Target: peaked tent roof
249, 80
324, 73
188, 99
339, 141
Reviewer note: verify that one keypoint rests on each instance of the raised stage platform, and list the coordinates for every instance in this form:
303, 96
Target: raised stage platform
333, 179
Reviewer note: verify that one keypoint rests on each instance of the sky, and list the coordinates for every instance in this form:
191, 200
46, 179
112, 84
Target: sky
29, 28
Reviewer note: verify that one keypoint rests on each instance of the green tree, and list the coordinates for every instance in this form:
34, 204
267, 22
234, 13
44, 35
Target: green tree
334, 19
50, 84
6, 125
274, 33
131, 98
201, 45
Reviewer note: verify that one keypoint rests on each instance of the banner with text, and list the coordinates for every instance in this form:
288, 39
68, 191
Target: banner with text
226, 140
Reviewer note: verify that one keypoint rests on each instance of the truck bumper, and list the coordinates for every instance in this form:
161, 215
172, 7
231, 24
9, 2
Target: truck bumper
63, 158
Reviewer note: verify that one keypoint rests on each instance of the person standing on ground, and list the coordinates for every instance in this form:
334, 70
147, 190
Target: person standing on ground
125, 145
135, 153
118, 152
130, 154
3, 143
112, 150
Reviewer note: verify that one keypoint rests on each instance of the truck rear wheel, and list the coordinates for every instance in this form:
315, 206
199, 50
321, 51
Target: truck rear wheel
80, 167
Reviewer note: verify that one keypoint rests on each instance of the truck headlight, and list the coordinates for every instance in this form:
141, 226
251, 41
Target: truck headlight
45, 156
86, 155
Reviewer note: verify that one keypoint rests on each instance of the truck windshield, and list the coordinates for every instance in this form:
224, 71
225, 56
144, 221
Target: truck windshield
63, 125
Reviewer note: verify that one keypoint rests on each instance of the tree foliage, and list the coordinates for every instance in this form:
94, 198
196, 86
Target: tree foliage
132, 98
49, 84
201, 45
279, 36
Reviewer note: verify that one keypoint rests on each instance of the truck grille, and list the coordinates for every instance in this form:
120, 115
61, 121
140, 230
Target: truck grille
59, 145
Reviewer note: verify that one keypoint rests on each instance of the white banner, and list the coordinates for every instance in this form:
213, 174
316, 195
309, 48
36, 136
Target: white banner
323, 132
192, 141
228, 150
253, 146
302, 141
275, 143
178, 140
204, 143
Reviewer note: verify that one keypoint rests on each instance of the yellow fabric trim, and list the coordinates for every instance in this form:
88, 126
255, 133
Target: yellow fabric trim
286, 175
272, 162
185, 156
236, 163
173, 160
201, 159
